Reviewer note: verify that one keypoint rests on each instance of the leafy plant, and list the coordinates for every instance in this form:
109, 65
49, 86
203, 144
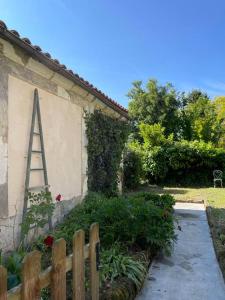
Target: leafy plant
13, 264
132, 170
146, 220
140, 221
40, 210
180, 162
116, 264
106, 140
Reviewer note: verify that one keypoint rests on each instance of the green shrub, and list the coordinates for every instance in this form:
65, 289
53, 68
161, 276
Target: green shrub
140, 221
167, 161
115, 263
144, 219
185, 163
132, 170
165, 201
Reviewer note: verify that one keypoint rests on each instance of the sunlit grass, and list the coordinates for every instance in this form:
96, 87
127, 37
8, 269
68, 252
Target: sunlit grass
212, 196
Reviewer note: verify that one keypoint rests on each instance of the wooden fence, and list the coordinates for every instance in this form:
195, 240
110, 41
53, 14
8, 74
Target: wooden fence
33, 280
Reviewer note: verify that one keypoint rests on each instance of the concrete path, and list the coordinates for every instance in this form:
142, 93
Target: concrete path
192, 272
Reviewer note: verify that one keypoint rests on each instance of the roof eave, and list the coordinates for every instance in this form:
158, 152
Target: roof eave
51, 64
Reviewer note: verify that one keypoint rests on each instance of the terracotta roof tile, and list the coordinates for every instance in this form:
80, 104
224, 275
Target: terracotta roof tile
26, 40
91, 88
14, 32
37, 48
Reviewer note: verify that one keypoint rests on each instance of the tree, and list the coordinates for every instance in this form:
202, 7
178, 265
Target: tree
154, 104
193, 97
203, 120
187, 100
153, 135
219, 104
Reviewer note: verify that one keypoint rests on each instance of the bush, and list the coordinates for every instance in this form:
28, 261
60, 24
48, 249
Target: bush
142, 219
115, 264
132, 170
185, 163
166, 161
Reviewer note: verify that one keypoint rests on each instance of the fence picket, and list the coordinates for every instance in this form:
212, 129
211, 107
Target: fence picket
94, 273
31, 268
58, 276
3, 283
54, 277
78, 266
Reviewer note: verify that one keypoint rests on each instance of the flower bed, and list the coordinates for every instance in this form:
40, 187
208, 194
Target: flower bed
132, 230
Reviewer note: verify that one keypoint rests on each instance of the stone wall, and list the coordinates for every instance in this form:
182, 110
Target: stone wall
62, 108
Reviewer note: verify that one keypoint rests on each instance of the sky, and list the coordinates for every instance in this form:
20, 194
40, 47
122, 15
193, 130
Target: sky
112, 43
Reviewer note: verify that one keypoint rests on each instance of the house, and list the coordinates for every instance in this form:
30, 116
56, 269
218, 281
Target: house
63, 97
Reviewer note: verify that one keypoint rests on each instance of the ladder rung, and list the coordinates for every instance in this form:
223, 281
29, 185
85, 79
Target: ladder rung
36, 151
38, 187
37, 169
36, 133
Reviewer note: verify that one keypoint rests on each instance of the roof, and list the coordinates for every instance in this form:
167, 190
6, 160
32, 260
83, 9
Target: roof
53, 64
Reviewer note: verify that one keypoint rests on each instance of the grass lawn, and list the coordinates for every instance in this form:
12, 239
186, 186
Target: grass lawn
212, 196
214, 199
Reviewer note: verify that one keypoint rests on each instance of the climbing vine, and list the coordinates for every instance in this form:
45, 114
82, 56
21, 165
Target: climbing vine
106, 140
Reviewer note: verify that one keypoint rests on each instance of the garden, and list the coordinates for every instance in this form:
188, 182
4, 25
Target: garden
172, 139
176, 142
132, 230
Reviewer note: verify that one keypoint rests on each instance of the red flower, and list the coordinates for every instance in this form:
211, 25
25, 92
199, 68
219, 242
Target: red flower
58, 197
48, 241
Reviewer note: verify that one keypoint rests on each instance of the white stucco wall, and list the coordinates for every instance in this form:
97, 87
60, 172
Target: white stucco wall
62, 128
62, 104
3, 162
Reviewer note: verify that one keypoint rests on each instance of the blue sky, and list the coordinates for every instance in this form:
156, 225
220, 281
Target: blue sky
112, 43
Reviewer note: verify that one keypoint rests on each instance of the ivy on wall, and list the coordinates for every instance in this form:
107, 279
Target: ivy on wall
106, 140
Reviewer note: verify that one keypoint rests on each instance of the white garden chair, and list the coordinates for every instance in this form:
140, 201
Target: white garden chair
218, 176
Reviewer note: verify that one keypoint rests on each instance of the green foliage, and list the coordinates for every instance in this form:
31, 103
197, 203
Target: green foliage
153, 135
165, 201
145, 220
132, 170
190, 116
185, 163
203, 121
106, 141
167, 161
141, 221
115, 263
154, 104
219, 104
192, 97
41, 208
13, 264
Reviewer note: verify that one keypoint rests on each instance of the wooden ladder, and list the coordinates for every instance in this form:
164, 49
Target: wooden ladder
36, 114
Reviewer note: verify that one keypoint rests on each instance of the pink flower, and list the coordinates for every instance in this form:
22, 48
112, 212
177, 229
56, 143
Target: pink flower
48, 241
58, 197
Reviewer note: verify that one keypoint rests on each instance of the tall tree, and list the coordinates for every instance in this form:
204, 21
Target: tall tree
155, 104
187, 103
203, 120
219, 104
193, 97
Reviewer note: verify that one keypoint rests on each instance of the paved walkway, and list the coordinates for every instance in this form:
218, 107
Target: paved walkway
192, 272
